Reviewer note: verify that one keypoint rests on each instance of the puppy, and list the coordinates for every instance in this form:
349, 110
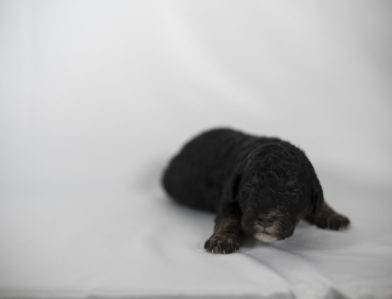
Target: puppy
259, 186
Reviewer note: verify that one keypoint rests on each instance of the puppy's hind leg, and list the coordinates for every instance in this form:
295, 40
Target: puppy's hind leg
327, 218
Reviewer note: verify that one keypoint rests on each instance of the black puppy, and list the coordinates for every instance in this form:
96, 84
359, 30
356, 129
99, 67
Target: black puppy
257, 185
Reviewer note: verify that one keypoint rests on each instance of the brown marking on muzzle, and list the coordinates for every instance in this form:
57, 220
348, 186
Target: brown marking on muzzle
291, 183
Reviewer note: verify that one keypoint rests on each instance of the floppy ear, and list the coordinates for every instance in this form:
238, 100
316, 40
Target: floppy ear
235, 186
317, 195
230, 190
228, 204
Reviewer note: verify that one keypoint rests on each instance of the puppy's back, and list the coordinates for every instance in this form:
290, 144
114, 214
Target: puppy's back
195, 176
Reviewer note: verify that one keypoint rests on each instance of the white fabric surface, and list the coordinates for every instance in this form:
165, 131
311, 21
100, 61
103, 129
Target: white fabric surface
95, 96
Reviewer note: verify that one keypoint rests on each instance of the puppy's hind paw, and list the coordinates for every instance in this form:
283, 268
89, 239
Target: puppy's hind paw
338, 222
333, 222
222, 243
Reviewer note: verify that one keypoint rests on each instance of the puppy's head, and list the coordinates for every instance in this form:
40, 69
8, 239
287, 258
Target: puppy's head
278, 186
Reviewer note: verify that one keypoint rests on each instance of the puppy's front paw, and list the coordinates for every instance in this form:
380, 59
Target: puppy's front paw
222, 243
334, 222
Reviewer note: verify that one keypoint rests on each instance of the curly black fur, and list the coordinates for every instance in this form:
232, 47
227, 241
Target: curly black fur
257, 185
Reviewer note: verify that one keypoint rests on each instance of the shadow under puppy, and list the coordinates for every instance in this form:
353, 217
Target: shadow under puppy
259, 186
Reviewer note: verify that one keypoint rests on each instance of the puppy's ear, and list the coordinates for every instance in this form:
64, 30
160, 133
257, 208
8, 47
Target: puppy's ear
228, 205
317, 195
231, 188
235, 186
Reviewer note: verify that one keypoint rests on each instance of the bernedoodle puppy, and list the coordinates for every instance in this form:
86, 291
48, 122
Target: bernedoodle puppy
259, 186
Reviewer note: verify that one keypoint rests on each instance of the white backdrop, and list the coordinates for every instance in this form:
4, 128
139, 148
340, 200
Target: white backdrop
95, 96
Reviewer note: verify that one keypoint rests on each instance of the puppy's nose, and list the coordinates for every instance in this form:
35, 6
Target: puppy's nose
265, 222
